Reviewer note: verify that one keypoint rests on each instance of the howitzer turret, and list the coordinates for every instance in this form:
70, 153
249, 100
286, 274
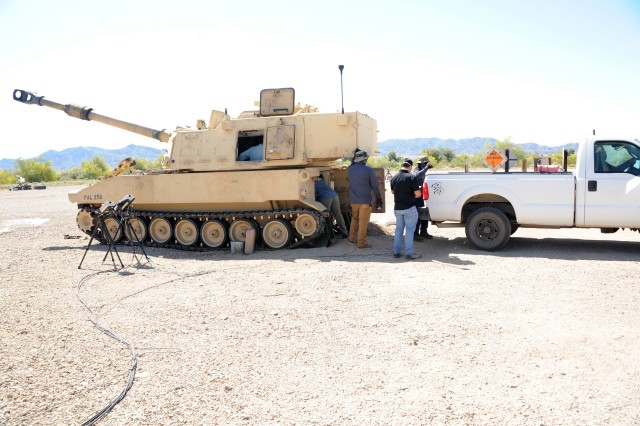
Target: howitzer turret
290, 136
218, 180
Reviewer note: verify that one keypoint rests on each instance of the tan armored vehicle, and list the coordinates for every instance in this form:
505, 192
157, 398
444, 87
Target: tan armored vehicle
222, 178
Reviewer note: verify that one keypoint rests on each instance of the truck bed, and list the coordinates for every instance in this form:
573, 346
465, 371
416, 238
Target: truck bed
537, 199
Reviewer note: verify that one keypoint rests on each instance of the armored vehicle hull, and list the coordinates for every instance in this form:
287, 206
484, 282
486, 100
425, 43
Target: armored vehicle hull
208, 209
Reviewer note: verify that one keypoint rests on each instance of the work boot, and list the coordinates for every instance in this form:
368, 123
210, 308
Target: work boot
417, 237
413, 256
425, 235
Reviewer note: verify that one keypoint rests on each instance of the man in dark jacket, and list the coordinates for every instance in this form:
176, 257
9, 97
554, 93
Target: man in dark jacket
420, 173
405, 189
362, 182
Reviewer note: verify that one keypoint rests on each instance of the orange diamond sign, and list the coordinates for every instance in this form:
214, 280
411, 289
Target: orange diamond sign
494, 159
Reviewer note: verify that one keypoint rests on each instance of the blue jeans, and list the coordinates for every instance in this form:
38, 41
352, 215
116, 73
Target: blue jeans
405, 219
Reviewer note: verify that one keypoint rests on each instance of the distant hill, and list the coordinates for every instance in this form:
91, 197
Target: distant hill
413, 147
73, 157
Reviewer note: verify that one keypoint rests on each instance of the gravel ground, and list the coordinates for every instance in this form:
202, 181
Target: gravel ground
545, 332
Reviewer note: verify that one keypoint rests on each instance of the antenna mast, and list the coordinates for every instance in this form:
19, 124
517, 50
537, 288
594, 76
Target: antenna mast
341, 67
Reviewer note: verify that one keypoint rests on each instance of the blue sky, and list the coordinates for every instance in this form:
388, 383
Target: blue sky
538, 71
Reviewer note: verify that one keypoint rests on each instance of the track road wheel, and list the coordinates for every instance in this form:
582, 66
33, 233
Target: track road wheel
306, 225
488, 229
214, 233
160, 230
139, 228
113, 227
239, 227
186, 232
277, 233
86, 221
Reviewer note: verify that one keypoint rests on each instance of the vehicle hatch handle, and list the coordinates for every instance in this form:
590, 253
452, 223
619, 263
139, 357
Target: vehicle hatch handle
592, 185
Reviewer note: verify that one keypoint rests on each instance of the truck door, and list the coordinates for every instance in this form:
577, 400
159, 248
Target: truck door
612, 190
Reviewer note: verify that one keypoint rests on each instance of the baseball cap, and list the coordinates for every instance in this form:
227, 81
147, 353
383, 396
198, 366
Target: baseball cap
360, 156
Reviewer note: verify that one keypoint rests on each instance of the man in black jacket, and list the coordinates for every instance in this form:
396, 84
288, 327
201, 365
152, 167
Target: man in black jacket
420, 173
405, 189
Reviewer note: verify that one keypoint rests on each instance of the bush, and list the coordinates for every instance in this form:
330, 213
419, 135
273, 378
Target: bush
71, 174
7, 177
94, 168
36, 170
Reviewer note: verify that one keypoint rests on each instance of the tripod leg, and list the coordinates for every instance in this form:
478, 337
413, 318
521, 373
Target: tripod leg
118, 255
112, 247
110, 243
142, 249
113, 260
107, 254
137, 241
110, 250
93, 235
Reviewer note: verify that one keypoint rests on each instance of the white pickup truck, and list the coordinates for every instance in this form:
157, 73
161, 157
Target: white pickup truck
603, 192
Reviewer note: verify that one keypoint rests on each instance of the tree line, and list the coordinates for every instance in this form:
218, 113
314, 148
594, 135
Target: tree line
41, 170
446, 158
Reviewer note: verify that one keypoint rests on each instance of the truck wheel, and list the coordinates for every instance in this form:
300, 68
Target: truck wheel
488, 229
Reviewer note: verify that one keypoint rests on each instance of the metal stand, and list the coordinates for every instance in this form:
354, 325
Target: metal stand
107, 209
125, 219
121, 212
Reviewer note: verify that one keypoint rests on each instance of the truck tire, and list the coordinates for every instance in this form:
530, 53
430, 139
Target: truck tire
488, 229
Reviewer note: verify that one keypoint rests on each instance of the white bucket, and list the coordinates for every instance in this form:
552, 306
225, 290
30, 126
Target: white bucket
237, 246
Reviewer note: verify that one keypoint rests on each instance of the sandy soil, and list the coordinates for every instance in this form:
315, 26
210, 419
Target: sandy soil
545, 332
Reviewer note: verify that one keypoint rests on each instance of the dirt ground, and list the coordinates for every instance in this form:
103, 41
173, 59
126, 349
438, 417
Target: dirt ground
546, 332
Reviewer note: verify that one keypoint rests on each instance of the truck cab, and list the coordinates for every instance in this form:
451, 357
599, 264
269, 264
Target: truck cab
608, 184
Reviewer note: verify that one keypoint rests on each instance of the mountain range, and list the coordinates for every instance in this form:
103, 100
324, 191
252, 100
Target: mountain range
73, 157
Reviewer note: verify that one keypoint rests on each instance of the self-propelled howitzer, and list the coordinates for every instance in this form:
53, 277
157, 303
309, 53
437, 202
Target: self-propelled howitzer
209, 192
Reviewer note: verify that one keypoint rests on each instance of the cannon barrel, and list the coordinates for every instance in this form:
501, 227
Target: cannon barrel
86, 113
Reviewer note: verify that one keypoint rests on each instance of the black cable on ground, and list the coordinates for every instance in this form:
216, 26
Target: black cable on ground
134, 357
